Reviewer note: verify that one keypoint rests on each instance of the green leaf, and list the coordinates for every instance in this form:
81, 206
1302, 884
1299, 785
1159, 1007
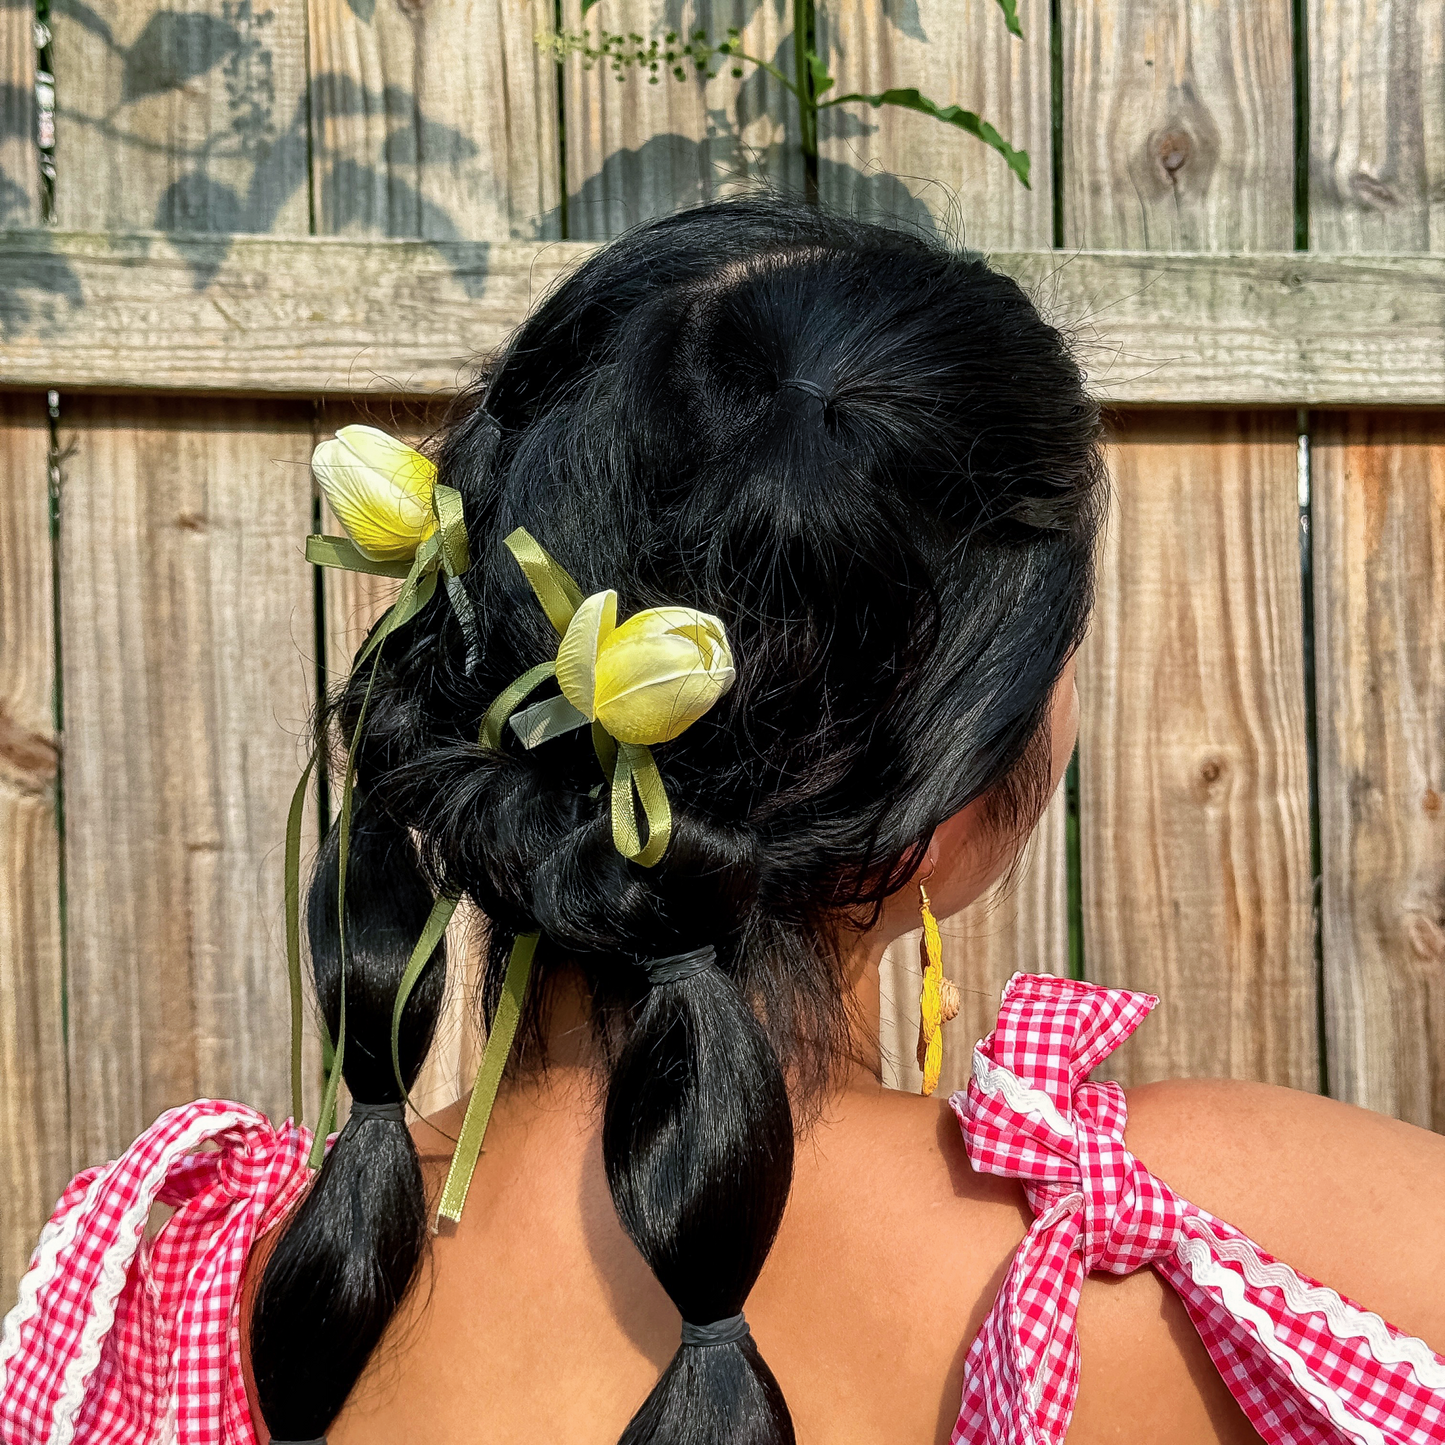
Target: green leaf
910, 99
1010, 10
818, 71
588, 4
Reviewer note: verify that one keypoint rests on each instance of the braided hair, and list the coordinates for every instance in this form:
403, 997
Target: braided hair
869, 456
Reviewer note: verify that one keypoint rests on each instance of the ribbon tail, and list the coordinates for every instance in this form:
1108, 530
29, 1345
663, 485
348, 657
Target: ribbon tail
605, 746
293, 930
490, 733
342, 552
462, 606
393, 619
636, 770
489, 1078
559, 595
421, 956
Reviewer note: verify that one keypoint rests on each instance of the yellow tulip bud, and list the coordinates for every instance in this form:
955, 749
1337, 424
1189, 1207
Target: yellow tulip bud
659, 672
648, 680
380, 489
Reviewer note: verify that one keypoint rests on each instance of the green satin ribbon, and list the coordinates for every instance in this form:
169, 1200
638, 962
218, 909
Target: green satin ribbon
489, 1078
445, 551
630, 767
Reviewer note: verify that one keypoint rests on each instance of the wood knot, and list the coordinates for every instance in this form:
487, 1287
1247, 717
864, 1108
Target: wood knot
190, 521
1211, 778
29, 761
1173, 149
1373, 191
1431, 801
1426, 935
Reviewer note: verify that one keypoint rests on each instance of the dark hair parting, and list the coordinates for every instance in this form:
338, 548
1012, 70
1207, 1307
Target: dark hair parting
867, 455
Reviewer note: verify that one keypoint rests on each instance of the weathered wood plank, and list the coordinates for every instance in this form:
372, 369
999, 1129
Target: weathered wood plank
415, 134
186, 611
187, 117
905, 165
336, 316
1193, 766
19, 159
1024, 928
637, 150
34, 1143
1194, 786
1377, 125
1378, 486
1178, 125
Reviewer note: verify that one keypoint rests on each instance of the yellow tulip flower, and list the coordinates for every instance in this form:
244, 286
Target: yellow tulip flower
648, 680
380, 489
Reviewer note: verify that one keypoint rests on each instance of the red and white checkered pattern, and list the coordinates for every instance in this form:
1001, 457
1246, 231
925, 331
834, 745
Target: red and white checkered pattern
1305, 1364
123, 1340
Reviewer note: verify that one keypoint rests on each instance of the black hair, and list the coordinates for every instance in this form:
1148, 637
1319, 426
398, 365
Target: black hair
873, 460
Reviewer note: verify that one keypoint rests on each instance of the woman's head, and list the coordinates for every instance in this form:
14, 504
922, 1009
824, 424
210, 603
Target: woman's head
875, 463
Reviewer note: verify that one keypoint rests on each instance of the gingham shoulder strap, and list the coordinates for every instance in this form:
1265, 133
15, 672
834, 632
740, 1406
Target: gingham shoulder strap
1307, 1365
118, 1339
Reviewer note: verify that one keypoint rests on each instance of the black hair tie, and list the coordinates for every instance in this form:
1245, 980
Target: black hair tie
678, 966
719, 1332
803, 384
394, 1113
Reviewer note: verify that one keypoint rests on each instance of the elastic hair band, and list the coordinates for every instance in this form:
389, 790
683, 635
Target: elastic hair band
678, 966
803, 384
394, 1113
719, 1332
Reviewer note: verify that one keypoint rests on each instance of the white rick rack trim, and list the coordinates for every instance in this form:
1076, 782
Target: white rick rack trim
1345, 1321
116, 1262
1022, 1098
1069, 1204
43, 1264
1210, 1274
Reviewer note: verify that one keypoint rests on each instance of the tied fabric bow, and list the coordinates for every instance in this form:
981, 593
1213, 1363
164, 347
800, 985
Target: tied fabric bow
1098, 1208
1307, 1366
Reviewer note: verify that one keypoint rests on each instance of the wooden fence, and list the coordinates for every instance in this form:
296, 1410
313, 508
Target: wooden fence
269, 215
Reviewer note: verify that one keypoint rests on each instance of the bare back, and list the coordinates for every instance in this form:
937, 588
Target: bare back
537, 1319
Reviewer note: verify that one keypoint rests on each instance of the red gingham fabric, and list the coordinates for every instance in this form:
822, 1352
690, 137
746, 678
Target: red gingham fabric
123, 1340
1306, 1364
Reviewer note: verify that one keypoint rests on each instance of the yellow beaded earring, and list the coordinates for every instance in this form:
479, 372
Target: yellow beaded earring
939, 1000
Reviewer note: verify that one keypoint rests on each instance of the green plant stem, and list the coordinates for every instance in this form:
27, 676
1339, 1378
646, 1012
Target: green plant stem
773, 71
804, 42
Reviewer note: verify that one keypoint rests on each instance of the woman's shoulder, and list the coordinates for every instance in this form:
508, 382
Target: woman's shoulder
1349, 1196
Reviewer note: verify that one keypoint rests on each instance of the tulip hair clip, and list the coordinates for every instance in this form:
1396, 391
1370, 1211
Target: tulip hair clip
637, 685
